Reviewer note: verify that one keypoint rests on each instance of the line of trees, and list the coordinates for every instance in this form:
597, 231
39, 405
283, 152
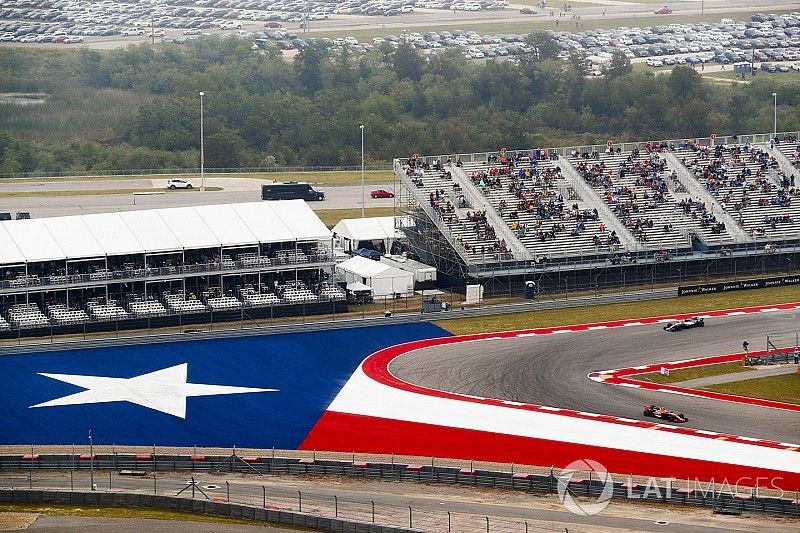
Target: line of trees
261, 109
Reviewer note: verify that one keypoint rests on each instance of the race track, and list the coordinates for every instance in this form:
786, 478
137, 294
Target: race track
552, 370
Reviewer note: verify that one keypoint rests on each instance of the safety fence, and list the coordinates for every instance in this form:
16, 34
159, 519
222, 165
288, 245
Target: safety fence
141, 473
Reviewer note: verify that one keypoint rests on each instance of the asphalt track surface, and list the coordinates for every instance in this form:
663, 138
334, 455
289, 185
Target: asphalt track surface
234, 190
552, 370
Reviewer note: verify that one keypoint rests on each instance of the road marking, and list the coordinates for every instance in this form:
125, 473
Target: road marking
769, 309
597, 327
527, 334
632, 324
631, 385
736, 313
562, 331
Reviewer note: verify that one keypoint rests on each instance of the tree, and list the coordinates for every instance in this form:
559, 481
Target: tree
577, 58
407, 63
542, 45
685, 82
619, 65
308, 64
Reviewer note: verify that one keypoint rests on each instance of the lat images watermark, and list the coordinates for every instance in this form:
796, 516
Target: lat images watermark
591, 493
569, 497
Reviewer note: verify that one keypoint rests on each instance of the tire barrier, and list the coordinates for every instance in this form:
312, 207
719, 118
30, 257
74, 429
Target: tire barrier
703, 495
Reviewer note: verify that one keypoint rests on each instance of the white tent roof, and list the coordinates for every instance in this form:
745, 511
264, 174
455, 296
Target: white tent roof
366, 229
225, 223
112, 234
9, 253
158, 230
367, 268
33, 240
74, 237
151, 231
192, 230
301, 220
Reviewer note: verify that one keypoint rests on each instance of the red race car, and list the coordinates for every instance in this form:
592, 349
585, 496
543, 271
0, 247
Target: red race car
664, 414
380, 193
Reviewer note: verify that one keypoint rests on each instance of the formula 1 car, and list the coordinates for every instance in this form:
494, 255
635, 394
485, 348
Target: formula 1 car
664, 414
689, 323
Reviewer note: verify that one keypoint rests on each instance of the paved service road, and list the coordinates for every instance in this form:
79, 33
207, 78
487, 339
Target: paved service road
552, 370
234, 190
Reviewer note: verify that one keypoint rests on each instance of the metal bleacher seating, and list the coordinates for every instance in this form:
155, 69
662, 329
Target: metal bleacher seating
178, 303
28, 315
645, 194
530, 198
253, 298
253, 260
146, 308
221, 303
747, 183
109, 310
62, 315
463, 221
4, 326
792, 152
331, 292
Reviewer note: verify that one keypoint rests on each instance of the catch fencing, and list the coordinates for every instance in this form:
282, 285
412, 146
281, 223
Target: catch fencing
246, 480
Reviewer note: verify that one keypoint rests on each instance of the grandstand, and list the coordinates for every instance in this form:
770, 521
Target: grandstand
663, 209
179, 265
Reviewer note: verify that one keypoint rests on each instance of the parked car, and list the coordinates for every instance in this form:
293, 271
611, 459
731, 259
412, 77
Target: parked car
179, 184
666, 10
23, 215
375, 255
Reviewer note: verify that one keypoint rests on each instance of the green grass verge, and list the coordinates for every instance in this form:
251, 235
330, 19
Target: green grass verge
331, 217
601, 313
136, 513
685, 374
321, 178
781, 388
98, 192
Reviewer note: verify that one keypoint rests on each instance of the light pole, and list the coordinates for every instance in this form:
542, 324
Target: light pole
202, 147
362, 172
775, 115
91, 461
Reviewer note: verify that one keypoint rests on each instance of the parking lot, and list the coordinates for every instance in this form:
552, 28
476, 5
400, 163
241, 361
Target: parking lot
771, 42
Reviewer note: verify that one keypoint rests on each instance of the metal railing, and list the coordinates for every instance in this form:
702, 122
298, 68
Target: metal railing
154, 273
141, 476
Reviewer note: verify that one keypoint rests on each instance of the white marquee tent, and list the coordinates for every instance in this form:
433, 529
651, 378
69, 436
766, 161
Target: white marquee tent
350, 231
384, 280
158, 230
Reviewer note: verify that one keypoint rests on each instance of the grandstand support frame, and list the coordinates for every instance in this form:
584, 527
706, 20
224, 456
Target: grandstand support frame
427, 240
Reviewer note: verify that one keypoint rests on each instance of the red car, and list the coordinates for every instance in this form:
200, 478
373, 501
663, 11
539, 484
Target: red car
380, 193
664, 11
664, 414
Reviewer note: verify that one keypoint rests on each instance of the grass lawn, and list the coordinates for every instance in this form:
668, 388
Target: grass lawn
601, 313
685, 374
123, 512
350, 177
331, 217
97, 192
781, 388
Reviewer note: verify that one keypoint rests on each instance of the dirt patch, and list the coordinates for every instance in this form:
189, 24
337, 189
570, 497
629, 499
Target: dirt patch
16, 521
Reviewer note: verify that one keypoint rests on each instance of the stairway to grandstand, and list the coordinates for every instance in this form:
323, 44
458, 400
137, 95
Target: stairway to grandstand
739, 177
646, 195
